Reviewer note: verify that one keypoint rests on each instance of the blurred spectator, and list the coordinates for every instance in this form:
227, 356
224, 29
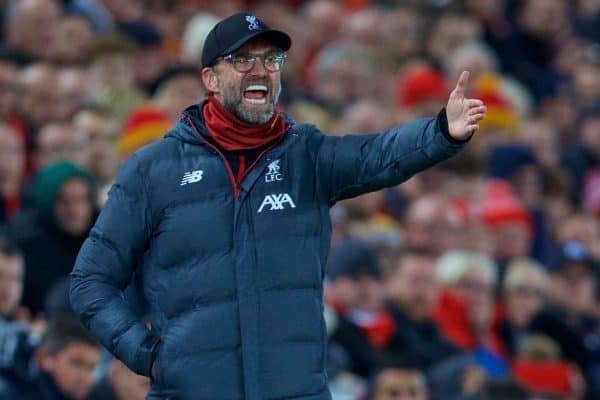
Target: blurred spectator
147, 58
124, 10
12, 272
507, 220
112, 77
539, 367
466, 312
341, 74
176, 89
540, 29
364, 27
413, 293
460, 377
525, 291
542, 139
9, 73
437, 223
590, 192
52, 232
59, 141
101, 127
583, 228
406, 33
38, 84
473, 56
31, 26
60, 367
587, 20
194, 35
325, 17
574, 286
12, 170
574, 294
72, 92
450, 31
506, 389
72, 36
584, 155
120, 383
362, 327
401, 382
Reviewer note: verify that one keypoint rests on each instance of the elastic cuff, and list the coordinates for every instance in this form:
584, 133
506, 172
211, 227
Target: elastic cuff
146, 355
442, 123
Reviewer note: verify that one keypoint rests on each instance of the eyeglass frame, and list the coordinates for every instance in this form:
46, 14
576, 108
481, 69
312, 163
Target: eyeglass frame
252, 58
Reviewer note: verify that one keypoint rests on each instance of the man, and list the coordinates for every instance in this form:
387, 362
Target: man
101, 127
402, 382
60, 141
225, 223
59, 368
413, 291
360, 327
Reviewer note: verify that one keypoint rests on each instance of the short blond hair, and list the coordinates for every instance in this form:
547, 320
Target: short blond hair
519, 268
454, 265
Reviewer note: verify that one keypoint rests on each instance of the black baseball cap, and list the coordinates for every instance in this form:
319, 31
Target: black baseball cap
234, 31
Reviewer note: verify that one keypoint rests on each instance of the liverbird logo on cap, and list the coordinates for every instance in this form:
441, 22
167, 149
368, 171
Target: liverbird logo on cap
252, 22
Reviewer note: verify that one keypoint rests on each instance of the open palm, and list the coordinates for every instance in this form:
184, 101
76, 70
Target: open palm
463, 114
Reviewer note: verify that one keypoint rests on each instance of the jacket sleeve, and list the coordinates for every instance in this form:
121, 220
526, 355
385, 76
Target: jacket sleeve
104, 267
355, 164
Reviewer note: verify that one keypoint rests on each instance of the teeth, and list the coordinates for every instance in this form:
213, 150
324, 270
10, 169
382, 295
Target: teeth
257, 87
256, 101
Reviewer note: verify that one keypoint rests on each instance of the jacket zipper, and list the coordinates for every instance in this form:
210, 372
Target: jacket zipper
234, 182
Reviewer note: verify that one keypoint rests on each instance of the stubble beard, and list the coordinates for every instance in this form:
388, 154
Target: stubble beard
234, 103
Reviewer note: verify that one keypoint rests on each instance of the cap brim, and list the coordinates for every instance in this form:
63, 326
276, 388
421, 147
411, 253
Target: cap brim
277, 38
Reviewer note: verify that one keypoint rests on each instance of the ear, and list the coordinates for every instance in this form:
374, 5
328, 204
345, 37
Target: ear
210, 80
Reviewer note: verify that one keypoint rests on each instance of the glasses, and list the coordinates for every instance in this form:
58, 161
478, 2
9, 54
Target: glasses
245, 62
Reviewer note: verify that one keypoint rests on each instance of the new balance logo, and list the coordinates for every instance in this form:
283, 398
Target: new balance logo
191, 177
273, 173
277, 202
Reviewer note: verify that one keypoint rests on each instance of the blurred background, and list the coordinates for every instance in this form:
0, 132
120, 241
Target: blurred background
477, 279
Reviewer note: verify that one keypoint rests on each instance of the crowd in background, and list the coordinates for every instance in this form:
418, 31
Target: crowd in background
477, 279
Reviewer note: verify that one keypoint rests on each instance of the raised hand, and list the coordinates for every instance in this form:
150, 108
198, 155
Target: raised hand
463, 114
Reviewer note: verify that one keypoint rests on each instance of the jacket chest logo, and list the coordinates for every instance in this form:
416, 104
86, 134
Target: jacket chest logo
277, 202
273, 174
192, 177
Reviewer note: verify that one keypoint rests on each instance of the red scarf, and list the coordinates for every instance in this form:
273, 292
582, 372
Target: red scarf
232, 134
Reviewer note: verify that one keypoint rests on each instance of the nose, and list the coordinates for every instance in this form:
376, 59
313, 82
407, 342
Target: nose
259, 67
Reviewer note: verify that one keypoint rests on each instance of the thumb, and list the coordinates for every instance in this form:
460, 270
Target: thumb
461, 85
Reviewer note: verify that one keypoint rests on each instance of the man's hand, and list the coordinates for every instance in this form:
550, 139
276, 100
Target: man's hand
463, 114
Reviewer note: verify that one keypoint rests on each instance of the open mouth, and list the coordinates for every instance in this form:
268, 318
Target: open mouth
256, 94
